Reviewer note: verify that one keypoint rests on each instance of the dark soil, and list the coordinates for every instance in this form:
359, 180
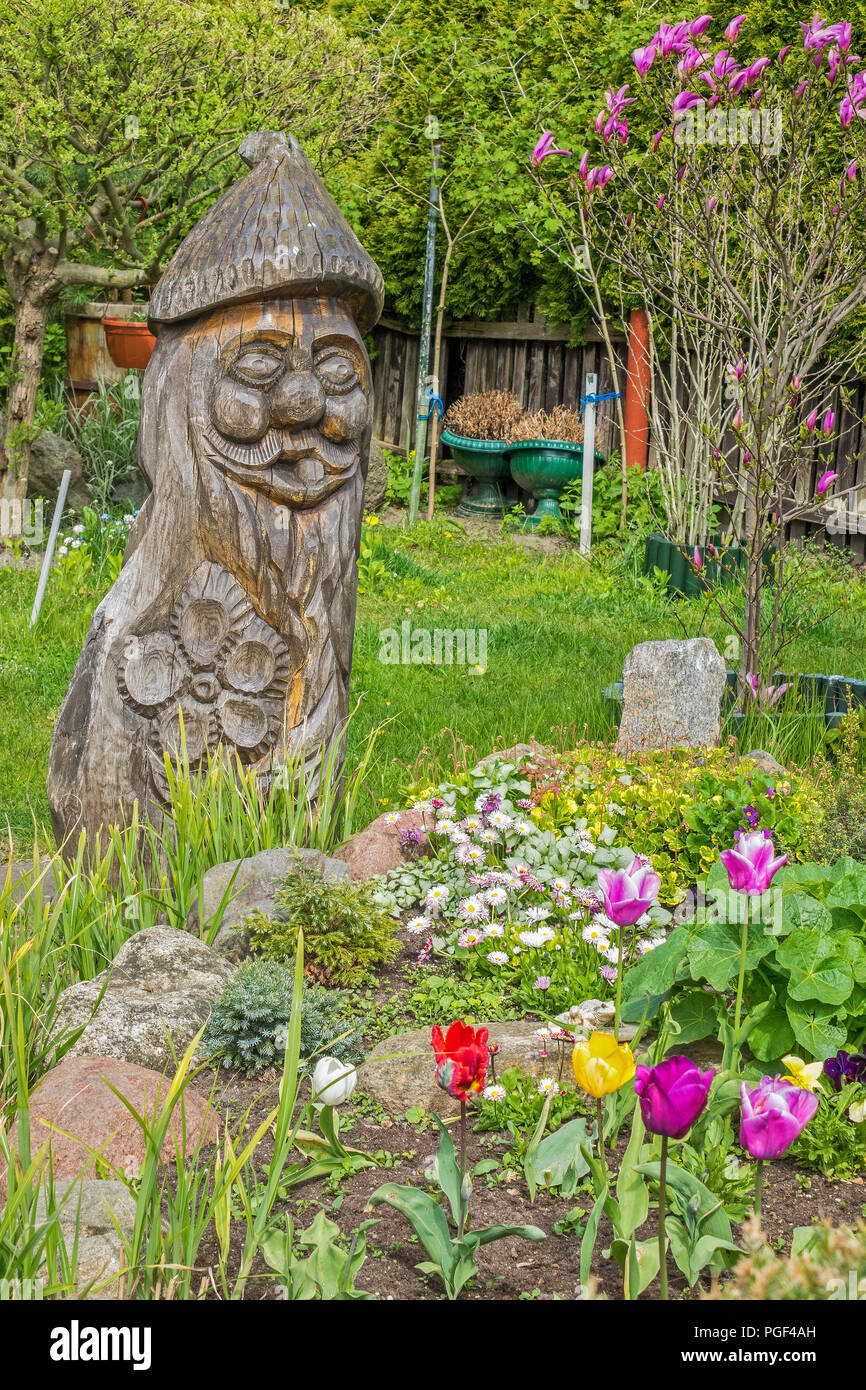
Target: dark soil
509, 1268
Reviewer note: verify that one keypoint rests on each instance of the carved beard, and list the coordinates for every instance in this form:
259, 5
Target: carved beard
231, 605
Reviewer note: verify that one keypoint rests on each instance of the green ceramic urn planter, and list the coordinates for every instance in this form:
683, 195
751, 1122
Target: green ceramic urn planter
483, 460
543, 467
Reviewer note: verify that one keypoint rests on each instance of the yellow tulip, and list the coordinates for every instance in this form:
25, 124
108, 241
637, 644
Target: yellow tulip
601, 1064
804, 1074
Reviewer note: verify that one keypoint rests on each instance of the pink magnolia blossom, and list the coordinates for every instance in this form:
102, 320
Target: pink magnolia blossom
825, 481
657, 139
643, 59
783, 53
829, 422
851, 171
812, 420
732, 32
545, 148
698, 562
583, 167
685, 101
700, 25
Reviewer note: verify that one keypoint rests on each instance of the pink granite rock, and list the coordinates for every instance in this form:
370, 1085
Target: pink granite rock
74, 1098
378, 847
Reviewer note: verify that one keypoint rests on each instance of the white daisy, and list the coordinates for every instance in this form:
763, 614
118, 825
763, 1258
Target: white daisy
496, 897
472, 823
471, 909
495, 929
537, 914
444, 827
537, 938
437, 897
611, 954
547, 1086
499, 819
521, 826
488, 836
497, 957
422, 806
562, 885
392, 818
418, 924
594, 934
493, 1092
470, 937
458, 837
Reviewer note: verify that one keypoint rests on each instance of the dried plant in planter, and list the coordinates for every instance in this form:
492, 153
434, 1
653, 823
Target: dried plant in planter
562, 424
486, 415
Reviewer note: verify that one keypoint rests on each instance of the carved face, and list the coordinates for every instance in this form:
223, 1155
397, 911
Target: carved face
286, 397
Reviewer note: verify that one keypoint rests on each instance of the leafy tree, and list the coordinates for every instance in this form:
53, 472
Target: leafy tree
119, 125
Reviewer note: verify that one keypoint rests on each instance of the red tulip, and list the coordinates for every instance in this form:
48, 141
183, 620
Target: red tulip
461, 1059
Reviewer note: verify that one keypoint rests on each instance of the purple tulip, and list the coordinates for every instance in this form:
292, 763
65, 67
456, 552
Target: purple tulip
545, 148
775, 1113
829, 422
732, 32
628, 893
752, 863
825, 480
672, 1095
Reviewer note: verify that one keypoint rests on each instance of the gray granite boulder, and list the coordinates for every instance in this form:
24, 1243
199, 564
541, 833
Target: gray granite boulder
671, 695
251, 884
89, 1204
159, 991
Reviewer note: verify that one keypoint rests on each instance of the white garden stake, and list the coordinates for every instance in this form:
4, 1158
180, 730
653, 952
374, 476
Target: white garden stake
588, 462
52, 541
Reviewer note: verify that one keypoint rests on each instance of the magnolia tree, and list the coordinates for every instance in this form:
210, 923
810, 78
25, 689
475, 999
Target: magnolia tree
740, 224
120, 124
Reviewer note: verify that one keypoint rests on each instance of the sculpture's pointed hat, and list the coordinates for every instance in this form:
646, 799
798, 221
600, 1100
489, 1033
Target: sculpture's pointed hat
277, 229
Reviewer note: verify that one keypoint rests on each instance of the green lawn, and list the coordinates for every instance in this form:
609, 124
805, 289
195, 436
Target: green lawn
557, 628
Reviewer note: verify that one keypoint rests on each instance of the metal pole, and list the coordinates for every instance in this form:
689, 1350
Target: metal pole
590, 390
52, 541
426, 321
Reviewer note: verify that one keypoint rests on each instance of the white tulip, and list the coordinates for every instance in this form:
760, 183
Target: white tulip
333, 1081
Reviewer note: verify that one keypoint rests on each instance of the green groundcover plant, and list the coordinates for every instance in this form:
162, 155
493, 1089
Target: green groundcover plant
804, 982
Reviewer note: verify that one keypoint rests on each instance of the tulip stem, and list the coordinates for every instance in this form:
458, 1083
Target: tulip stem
744, 941
599, 1112
618, 996
663, 1201
759, 1187
463, 1201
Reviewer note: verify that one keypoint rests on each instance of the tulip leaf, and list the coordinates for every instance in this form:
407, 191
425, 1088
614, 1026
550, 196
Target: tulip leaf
557, 1161
707, 1211
694, 1254
714, 952
639, 1262
590, 1235
497, 1232
632, 1193
816, 1026
447, 1171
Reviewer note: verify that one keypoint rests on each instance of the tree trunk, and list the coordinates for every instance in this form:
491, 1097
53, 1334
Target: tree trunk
34, 287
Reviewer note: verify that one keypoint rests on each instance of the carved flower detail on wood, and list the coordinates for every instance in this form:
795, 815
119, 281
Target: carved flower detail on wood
218, 664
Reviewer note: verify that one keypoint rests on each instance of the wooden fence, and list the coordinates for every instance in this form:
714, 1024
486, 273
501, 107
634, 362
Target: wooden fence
533, 359
528, 357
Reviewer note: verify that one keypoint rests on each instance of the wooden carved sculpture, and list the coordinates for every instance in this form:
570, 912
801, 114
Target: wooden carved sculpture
235, 605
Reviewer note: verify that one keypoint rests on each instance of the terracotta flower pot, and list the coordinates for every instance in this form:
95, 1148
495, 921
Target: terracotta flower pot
129, 343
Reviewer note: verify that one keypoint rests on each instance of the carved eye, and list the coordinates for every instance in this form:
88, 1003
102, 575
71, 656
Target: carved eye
337, 371
257, 366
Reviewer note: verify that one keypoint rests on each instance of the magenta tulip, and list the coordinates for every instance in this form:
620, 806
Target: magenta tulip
775, 1113
672, 1095
825, 481
628, 893
752, 863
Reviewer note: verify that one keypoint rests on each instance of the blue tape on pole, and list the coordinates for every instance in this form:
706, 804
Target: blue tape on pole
436, 403
595, 398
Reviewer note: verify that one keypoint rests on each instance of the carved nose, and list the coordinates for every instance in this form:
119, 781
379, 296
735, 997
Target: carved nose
297, 400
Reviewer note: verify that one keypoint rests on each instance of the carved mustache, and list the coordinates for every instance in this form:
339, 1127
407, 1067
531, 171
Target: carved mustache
289, 445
